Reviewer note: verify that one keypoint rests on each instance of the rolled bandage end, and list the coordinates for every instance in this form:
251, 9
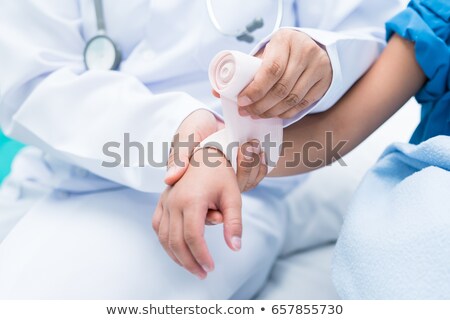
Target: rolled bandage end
229, 73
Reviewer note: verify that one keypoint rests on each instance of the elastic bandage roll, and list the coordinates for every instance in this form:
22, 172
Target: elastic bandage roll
229, 73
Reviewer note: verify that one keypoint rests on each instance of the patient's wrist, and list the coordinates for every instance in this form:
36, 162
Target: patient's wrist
210, 157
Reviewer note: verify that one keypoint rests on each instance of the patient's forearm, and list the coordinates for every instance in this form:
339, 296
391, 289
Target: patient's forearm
391, 81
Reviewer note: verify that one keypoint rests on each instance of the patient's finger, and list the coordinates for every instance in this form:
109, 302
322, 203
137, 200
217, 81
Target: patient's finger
174, 171
163, 235
179, 247
213, 217
231, 206
156, 220
184, 143
194, 228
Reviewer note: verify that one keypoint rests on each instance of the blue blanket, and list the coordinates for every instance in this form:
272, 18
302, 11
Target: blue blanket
395, 242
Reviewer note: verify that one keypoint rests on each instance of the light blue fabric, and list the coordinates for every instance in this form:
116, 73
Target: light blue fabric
8, 150
427, 23
395, 242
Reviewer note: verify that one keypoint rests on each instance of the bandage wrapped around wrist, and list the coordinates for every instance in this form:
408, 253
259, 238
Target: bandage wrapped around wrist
229, 73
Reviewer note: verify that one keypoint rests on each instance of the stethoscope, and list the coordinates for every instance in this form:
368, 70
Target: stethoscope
245, 34
101, 53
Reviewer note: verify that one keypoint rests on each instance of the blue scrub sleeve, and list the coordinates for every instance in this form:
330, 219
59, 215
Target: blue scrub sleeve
427, 23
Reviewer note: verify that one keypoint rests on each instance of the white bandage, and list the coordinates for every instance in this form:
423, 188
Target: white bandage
229, 73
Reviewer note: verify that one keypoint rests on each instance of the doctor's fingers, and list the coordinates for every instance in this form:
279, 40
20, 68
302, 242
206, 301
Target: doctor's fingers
262, 173
310, 87
312, 96
303, 94
273, 66
178, 245
257, 175
308, 64
249, 162
281, 90
163, 235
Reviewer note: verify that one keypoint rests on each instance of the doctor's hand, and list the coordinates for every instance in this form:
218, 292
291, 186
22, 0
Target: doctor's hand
295, 73
251, 165
209, 184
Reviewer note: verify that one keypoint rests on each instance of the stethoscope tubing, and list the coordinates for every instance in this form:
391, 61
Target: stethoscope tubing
243, 35
219, 28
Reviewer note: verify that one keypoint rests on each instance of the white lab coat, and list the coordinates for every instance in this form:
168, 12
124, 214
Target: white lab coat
91, 236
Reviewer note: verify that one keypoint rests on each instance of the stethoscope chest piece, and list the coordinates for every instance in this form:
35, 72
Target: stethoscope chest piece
101, 53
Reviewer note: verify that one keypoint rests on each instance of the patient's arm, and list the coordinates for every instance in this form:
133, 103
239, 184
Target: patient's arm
390, 82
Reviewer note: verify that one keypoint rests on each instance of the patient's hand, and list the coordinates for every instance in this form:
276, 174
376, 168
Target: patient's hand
209, 183
195, 128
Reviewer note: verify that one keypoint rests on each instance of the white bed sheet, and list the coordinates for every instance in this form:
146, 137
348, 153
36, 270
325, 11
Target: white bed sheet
316, 212
302, 277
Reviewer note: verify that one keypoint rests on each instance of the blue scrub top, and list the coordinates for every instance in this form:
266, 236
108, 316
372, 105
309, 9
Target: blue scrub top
427, 23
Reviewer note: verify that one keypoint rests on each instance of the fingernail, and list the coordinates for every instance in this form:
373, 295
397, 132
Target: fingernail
256, 149
236, 243
200, 275
243, 112
207, 268
244, 101
254, 152
248, 154
255, 117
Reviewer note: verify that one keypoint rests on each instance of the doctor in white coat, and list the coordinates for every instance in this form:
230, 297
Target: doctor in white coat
72, 228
